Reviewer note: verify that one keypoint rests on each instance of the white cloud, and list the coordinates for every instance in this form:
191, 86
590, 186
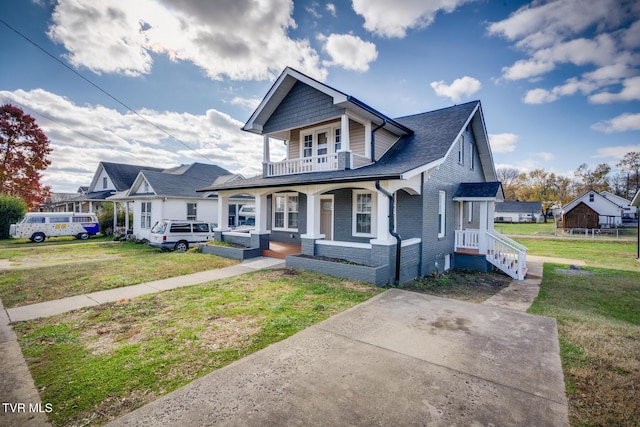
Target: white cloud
623, 123
545, 156
393, 18
246, 103
464, 86
617, 152
349, 52
629, 92
552, 34
503, 142
83, 135
331, 8
243, 40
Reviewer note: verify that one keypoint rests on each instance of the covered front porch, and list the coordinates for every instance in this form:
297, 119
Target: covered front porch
347, 223
484, 242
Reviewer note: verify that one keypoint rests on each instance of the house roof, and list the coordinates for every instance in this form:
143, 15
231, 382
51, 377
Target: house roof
519, 207
479, 191
181, 181
434, 134
636, 200
123, 175
285, 82
572, 204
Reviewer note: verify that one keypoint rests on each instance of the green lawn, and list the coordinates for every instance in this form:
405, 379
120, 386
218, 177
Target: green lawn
598, 315
62, 270
95, 364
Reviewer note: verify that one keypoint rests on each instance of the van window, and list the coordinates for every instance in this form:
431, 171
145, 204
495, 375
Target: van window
202, 228
83, 219
180, 227
34, 220
59, 219
159, 228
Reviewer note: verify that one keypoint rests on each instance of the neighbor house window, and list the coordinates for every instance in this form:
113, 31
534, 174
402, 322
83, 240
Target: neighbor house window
145, 215
104, 182
285, 211
363, 219
442, 199
591, 197
192, 211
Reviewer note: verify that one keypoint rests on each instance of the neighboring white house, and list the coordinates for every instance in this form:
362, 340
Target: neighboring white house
629, 211
510, 211
171, 194
592, 210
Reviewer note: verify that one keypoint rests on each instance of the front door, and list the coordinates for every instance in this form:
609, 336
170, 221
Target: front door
326, 217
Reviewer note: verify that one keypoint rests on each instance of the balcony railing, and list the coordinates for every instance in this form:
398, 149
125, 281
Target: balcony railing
327, 162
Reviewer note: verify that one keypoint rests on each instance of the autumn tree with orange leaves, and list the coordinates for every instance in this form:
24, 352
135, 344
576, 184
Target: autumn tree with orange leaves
23, 155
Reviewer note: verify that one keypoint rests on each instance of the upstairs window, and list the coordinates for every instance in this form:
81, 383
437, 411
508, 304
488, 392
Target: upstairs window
338, 141
472, 155
461, 150
104, 182
442, 199
308, 146
592, 197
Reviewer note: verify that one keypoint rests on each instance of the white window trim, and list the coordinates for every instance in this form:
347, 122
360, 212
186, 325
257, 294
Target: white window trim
472, 155
330, 129
442, 211
144, 214
286, 211
470, 212
374, 213
196, 209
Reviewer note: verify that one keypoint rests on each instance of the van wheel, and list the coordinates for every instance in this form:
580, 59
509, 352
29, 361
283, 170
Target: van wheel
182, 246
83, 236
37, 237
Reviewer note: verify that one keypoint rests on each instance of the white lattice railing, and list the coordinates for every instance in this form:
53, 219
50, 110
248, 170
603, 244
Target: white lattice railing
327, 162
500, 250
507, 254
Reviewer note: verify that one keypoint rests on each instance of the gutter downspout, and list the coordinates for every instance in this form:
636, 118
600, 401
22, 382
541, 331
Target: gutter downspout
392, 231
373, 140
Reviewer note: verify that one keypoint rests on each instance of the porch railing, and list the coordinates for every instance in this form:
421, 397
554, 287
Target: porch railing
500, 250
328, 162
507, 254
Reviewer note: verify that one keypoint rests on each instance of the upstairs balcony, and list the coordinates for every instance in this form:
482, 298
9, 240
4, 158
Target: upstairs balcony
328, 162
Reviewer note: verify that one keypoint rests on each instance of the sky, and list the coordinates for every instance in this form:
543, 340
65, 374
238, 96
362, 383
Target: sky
168, 82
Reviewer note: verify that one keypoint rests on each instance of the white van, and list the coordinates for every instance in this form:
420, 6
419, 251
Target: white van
179, 234
37, 226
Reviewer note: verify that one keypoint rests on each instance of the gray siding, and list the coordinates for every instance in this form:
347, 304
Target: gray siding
302, 106
384, 141
408, 210
447, 178
356, 138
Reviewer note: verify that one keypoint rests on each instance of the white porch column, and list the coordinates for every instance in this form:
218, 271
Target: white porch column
126, 217
266, 156
460, 215
261, 213
90, 207
482, 238
381, 221
491, 216
344, 133
223, 212
115, 216
313, 217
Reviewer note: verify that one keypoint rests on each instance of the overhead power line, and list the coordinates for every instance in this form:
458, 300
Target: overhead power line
68, 67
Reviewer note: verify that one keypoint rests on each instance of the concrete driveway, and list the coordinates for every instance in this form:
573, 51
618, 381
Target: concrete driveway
399, 359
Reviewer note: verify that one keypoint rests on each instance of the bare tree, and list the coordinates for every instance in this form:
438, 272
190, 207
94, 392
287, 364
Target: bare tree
509, 179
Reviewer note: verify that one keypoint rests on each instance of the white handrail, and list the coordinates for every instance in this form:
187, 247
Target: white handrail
326, 162
510, 258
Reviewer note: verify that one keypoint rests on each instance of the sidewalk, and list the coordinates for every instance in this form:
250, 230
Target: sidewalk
16, 383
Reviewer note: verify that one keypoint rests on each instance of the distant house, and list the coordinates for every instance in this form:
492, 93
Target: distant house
395, 198
629, 212
510, 211
592, 210
171, 194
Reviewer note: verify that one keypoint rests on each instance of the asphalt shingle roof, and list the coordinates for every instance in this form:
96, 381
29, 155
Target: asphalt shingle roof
477, 190
183, 181
519, 207
123, 175
433, 134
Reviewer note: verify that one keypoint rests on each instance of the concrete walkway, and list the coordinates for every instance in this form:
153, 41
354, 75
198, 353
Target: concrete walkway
16, 384
426, 355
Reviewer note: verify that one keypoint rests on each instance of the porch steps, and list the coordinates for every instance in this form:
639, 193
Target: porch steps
281, 250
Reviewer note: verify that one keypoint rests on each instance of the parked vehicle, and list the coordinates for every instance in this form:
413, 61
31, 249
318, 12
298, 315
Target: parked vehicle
179, 234
37, 226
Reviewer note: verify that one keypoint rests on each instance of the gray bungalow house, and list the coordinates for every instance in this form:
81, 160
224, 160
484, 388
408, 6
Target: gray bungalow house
364, 196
